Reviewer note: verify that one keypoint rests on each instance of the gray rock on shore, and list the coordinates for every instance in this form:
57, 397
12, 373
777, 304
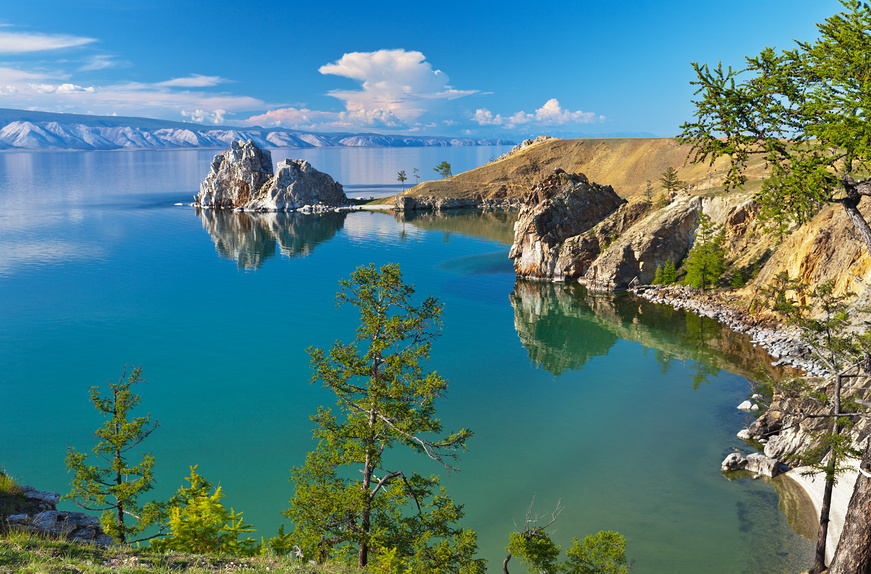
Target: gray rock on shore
46, 519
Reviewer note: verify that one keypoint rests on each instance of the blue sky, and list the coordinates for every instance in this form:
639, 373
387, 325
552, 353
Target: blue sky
456, 68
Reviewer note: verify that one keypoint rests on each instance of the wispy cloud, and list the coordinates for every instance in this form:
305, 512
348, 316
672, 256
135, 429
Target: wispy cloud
24, 42
550, 114
102, 62
194, 81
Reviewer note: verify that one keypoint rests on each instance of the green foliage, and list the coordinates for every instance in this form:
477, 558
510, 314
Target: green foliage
739, 279
805, 111
535, 549
665, 275
200, 524
648, 192
115, 488
669, 180
707, 259
600, 553
384, 399
603, 552
443, 169
417, 175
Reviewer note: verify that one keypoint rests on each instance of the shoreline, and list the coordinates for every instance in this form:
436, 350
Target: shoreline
783, 344
841, 494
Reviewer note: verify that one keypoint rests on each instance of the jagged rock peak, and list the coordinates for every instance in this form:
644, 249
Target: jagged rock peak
560, 206
242, 178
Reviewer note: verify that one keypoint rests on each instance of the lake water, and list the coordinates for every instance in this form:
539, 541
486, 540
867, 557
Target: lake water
620, 409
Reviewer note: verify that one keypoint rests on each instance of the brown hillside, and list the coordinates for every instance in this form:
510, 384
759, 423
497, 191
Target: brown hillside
626, 164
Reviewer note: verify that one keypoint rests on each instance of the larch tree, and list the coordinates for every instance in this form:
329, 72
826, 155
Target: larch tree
115, 487
351, 502
804, 111
670, 180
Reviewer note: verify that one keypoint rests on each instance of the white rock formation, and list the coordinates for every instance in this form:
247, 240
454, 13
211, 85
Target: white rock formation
242, 179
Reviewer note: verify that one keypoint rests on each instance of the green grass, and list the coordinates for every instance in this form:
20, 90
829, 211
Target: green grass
12, 499
29, 553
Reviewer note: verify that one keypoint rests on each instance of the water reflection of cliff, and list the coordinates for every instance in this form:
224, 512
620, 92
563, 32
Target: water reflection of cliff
495, 226
562, 325
252, 238
554, 329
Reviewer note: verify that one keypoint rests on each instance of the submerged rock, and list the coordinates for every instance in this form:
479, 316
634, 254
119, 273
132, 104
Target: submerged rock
560, 207
242, 179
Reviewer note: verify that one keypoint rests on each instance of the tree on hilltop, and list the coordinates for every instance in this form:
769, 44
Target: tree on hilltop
804, 111
379, 513
401, 177
443, 169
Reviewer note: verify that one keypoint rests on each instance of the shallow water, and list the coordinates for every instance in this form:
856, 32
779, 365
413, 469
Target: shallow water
619, 408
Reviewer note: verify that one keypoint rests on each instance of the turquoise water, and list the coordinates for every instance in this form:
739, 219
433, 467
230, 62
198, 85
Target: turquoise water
619, 409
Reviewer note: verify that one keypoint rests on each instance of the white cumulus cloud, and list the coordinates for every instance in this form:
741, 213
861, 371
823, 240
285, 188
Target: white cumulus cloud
550, 114
398, 88
398, 81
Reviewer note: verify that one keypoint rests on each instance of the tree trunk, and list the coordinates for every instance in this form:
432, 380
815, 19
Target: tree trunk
853, 555
854, 192
820, 555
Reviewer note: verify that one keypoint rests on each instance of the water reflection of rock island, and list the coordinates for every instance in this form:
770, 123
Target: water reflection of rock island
252, 238
563, 325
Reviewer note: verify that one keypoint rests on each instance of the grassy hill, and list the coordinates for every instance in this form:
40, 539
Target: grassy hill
626, 164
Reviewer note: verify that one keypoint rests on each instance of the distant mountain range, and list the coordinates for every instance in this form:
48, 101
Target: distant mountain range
22, 129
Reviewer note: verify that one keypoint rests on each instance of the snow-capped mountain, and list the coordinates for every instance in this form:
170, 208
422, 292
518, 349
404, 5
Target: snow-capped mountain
22, 129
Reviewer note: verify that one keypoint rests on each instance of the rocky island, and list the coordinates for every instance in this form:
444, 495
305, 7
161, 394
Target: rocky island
242, 179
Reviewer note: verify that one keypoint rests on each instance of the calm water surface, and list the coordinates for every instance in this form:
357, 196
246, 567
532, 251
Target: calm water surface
621, 409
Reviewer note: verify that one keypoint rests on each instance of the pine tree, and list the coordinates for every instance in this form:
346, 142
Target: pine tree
707, 259
669, 273
670, 181
385, 399
114, 489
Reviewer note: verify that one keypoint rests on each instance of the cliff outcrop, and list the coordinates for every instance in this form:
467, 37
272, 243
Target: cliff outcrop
242, 179
559, 207
665, 235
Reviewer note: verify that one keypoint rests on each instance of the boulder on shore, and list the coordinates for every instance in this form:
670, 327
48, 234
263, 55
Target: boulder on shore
242, 179
561, 206
39, 514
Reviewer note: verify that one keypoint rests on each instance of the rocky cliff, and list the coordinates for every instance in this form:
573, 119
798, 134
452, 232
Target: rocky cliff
242, 178
559, 207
